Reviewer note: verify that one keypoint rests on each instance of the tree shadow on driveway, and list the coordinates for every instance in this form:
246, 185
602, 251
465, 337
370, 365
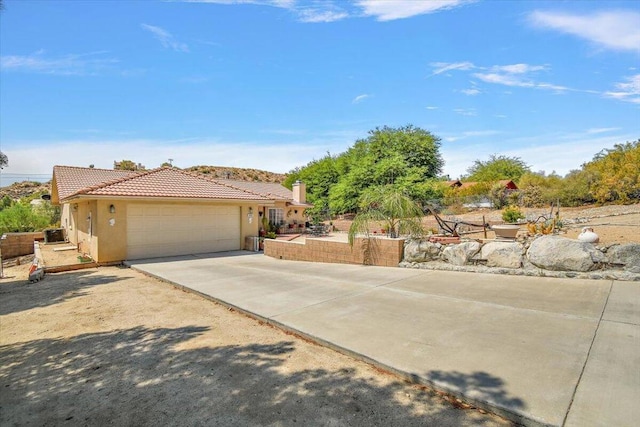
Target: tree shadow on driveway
141, 376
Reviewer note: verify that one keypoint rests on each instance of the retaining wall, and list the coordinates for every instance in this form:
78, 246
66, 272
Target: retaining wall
19, 244
383, 252
549, 256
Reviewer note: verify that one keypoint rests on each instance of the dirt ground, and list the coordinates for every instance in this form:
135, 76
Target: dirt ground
613, 224
112, 346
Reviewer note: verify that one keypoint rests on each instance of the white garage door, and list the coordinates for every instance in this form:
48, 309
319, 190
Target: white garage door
166, 230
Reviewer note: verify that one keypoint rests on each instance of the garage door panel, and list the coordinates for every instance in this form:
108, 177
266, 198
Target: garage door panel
167, 230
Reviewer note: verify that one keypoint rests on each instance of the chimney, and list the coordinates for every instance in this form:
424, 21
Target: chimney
299, 192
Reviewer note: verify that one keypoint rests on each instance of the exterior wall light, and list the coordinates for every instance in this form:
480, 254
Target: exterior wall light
112, 209
250, 215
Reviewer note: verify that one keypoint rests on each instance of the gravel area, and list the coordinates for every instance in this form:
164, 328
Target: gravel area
112, 346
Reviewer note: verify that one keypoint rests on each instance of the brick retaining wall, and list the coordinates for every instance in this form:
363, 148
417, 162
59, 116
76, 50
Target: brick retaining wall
19, 244
383, 251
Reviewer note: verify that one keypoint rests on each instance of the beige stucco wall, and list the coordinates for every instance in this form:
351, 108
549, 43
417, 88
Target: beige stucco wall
110, 231
84, 229
290, 215
107, 242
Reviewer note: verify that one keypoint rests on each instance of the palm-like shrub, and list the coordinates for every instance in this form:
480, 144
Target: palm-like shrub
389, 206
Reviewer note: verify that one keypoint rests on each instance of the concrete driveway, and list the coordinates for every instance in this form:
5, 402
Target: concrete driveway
541, 351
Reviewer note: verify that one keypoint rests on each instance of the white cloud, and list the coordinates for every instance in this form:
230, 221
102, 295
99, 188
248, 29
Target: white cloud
285, 4
313, 15
443, 67
388, 10
628, 91
71, 64
616, 30
322, 11
601, 130
503, 79
518, 75
466, 111
431, 108
471, 92
470, 134
165, 38
360, 98
518, 68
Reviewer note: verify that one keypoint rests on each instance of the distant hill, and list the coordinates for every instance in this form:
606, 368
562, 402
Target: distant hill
18, 190
239, 174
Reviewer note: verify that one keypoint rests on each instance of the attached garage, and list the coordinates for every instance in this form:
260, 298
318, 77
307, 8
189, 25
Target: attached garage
155, 230
118, 215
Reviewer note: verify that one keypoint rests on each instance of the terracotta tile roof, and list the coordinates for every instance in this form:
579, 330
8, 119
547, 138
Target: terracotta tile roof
165, 183
71, 179
269, 189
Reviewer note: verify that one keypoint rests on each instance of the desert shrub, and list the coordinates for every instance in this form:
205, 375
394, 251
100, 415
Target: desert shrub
498, 196
531, 197
22, 218
512, 214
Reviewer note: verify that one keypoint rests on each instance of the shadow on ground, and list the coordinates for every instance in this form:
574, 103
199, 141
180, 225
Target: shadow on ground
54, 289
477, 385
143, 376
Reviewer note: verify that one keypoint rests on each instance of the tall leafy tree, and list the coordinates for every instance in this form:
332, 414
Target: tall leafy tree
497, 168
406, 157
4, 160
388, 156
319, 176
618, 173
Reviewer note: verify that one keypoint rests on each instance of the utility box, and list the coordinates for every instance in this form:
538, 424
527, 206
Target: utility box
54, 235
252, 243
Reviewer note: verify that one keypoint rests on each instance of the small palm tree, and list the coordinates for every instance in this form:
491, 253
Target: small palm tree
391, 206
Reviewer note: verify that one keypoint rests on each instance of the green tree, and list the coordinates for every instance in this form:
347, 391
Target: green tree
406, 157
319, 176
127, 165
4, 160
390, 206
497, 168
20, 217
388, 156
618, 173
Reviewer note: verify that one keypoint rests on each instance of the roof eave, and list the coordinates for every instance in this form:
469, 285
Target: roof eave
78, 197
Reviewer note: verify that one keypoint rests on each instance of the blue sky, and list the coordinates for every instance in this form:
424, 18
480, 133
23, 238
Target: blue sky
274, 84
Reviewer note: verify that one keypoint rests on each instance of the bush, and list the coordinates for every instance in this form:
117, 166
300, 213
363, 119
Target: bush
22, 218
512, 214
532, 197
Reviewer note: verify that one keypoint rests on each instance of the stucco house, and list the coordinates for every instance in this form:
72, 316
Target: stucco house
114, 215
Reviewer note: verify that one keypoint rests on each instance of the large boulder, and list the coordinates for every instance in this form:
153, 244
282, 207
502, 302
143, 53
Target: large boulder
562, 254
627, 255
421, 251
461, 253
502, 254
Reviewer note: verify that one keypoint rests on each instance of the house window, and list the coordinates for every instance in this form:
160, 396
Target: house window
276, 216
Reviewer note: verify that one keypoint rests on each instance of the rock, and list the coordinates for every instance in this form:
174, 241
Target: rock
461, 253
421, 251
502, 254
627, 255
562, 254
